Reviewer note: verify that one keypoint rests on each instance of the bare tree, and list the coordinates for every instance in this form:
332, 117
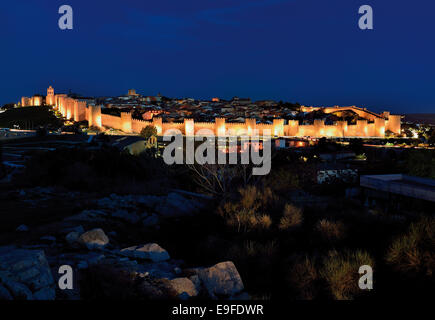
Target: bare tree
219, 179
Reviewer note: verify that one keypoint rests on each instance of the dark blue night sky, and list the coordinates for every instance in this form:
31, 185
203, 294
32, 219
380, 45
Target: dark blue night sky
306, 51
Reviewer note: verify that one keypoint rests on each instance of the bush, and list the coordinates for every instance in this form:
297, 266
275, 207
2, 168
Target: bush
340, 271
148, 132
292, 217
265, 221
331, 231
94, 129
251, 248
248, 213
414, 251
302, 278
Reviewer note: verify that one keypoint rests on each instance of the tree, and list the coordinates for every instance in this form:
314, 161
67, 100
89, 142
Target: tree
389, 133
8, 106
220, 179
148, 132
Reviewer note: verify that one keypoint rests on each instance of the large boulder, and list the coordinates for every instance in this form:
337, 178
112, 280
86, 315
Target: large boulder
150, 251
25, 274
184, 287
221, 280
95, 238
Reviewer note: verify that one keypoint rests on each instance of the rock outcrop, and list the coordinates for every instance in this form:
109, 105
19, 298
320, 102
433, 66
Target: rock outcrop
184, 288
150, 251
221, 280
25, 274
95, 238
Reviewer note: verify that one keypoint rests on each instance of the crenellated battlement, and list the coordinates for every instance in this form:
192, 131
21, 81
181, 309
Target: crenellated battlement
373, 124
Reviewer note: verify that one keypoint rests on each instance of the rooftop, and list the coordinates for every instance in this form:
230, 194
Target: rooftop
409, 186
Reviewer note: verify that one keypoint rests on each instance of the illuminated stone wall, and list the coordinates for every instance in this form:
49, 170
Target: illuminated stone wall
393, 124
79, 110
26, 102
372, 124
363, 128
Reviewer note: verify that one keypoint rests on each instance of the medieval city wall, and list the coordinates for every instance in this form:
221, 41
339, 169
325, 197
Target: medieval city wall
373, 125
111, 121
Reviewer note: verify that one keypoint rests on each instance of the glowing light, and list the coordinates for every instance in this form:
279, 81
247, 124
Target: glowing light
221, 130
249, 131
98, 121
159, 129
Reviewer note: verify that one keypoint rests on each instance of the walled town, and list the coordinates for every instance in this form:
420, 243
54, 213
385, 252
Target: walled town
83, 185
235, 117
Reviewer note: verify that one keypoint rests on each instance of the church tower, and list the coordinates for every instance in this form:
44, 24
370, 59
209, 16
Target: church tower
49, 100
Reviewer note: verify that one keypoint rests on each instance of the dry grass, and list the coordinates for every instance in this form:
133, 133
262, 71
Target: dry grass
248, 213
292, 217
340, 271
331, 231
251, 248
302, 278
414, 252
265, 221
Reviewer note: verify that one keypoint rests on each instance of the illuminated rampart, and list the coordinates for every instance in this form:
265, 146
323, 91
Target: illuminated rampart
372, 124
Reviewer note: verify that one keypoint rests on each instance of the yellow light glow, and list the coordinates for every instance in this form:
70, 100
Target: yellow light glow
249, 131
221, 131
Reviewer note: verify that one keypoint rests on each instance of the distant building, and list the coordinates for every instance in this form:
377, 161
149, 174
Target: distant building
50, 99
132, 92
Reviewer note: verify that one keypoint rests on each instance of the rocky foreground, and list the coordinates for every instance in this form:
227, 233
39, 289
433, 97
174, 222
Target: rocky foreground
103, 264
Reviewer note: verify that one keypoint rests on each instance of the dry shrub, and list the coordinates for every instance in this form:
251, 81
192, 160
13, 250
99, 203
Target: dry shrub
331, 230
249, 212
292, 217
340, 271
265, 221
251, 248
303, 277
415, 251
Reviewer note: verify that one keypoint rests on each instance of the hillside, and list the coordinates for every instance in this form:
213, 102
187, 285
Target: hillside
28, 118
426, 118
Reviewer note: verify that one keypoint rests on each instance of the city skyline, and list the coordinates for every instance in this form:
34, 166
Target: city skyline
312, 53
